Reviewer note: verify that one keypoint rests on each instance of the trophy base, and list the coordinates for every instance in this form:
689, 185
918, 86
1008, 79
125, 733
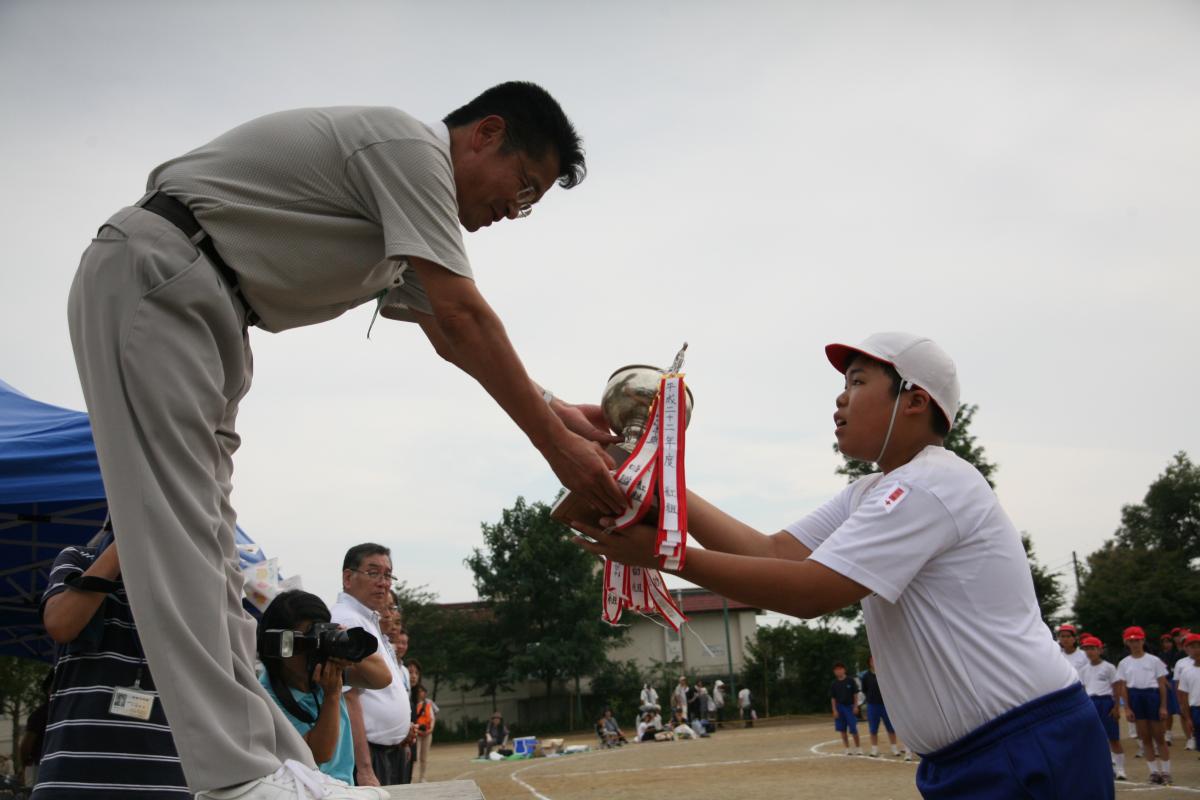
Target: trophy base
572, 506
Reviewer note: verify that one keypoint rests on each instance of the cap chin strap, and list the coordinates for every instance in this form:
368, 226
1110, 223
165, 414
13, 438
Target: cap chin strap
904, 387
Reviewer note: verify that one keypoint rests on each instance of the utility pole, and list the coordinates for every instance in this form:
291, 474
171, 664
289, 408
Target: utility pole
1075, 561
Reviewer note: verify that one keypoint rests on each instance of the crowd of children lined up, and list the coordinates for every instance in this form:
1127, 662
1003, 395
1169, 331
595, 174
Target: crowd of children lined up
1148, 689
1151, 689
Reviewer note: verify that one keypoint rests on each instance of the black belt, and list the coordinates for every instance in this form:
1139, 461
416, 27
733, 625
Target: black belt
181, 217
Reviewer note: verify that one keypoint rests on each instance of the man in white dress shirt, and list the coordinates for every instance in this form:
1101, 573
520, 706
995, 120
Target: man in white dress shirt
379, 718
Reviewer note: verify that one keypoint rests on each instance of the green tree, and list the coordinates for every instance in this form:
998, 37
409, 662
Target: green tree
617, 685
20, 692
1168, 518
1046, 586
438, 636
545, 595
1143, 575
960, 441
789, 667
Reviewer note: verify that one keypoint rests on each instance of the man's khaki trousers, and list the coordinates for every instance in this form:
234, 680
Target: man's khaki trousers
164, 358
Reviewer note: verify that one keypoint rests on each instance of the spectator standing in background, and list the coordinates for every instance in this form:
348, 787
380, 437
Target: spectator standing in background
424, 721
107, 737
379, 718
843, 701
746, 706
877, 712
680, 697
649, 699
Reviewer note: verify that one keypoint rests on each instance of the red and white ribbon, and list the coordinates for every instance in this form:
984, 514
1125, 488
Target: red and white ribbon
653, 470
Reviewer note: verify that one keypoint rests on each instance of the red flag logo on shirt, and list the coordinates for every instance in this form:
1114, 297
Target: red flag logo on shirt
893, 497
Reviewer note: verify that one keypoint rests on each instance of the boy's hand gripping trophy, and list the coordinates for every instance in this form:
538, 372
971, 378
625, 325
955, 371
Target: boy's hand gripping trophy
651, 409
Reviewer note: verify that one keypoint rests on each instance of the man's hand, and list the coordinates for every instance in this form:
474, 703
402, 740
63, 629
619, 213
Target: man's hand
586, 421
1116, 712
1129, 716
633, 546
585, 468
365, 776
1162, 713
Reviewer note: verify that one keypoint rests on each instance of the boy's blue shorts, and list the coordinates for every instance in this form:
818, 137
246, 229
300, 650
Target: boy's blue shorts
876, 712
845, 719
1050, 748
1172, 698
1195, 720
1144, 703
1104, 707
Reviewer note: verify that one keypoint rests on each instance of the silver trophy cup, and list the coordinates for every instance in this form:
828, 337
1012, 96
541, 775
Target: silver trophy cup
626, 402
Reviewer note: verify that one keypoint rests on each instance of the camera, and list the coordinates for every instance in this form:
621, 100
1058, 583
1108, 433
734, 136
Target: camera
324, 640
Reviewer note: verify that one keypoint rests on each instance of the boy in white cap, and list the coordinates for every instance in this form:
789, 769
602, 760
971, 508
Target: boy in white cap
926, 547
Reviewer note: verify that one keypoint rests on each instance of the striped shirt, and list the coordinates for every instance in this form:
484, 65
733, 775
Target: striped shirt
89, 753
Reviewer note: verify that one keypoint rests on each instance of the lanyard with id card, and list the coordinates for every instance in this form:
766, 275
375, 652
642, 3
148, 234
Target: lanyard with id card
133, 701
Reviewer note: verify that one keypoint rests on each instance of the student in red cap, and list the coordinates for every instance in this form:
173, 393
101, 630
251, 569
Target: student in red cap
1181, 666
1100, 681
927, 548
1069, 642
1189, 684
1145, 677
1170, 656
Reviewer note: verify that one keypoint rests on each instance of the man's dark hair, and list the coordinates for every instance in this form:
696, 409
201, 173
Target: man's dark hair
941, 427
355, 555
838, 665
534, 123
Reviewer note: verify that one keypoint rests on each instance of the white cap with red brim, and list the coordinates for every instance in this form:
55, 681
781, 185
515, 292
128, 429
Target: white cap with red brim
916, 359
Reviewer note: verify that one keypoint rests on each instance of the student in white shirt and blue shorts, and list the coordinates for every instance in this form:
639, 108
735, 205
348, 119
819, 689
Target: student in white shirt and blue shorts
926, 547
1145, 678
1104, 687
1188, 670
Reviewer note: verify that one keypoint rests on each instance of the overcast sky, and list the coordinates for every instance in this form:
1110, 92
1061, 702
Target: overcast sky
1016, 180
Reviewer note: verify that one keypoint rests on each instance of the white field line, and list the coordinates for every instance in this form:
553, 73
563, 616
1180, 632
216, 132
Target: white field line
815, 750
581, 773
1133, 786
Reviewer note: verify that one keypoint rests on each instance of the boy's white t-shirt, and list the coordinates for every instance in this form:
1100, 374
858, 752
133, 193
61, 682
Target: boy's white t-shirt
1142, 673
1189, 681
1098, 680
953, 623
1078, 659
1181, 666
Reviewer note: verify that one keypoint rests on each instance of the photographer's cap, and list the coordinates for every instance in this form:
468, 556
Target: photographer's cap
916, 358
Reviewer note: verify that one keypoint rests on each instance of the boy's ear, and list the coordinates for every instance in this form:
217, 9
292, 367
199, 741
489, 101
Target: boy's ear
918, 402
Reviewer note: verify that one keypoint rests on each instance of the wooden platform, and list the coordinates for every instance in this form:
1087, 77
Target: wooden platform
441, 790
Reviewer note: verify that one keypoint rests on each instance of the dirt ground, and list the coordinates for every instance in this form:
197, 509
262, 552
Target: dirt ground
799, 759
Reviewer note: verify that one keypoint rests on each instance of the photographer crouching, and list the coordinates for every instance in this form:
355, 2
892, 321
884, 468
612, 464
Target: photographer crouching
308, 660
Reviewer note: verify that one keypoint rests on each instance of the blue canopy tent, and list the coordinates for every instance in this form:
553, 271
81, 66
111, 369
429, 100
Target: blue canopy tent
51, 497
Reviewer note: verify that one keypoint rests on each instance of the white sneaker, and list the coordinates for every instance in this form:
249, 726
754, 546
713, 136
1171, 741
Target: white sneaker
1190, 744
343, 789
294, 781
1167, 737
908, 755
1121, 775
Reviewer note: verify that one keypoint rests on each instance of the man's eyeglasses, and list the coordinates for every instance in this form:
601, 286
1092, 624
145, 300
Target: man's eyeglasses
527, 195
375, 575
